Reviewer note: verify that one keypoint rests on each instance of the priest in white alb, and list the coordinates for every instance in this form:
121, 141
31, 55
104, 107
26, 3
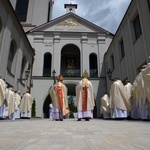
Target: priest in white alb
17, 104
146, 80
137, 97
119, 101
128, 87
11, 103
58, 94
84, 98
3, 101
26, 105
105, 106
139, 93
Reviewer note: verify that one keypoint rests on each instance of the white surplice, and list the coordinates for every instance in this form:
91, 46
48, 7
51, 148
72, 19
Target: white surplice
105, 107
119, 101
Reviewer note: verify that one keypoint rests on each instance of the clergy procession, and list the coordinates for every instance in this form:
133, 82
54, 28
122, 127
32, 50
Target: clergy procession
12, 105
129, 101
84, 102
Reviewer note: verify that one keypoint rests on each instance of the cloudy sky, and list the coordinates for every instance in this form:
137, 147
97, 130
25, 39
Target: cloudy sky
105, 13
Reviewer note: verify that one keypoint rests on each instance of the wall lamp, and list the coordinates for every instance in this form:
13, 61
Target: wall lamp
109, 74
54, 76
27, 72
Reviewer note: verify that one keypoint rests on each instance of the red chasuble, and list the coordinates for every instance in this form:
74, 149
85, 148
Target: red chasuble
60, 96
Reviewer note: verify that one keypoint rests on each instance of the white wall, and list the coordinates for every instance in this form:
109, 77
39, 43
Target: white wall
53, 43
12, 30
136, 52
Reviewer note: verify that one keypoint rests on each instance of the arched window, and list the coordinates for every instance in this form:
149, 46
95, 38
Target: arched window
23, 67
70, 61
47, 65
29, 66
93, 65
12, 52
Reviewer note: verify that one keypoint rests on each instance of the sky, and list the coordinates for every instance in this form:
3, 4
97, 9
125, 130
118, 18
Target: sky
107, 14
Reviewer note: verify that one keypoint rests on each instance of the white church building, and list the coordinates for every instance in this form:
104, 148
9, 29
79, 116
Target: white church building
69, 45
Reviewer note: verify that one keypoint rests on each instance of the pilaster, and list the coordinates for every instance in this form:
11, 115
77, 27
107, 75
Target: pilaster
56, 54
84, 54
101, 42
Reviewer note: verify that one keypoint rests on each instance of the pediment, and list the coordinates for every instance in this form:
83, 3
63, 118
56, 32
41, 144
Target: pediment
69, 23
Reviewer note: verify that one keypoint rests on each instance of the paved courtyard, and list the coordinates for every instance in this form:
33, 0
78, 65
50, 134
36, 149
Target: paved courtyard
96, 134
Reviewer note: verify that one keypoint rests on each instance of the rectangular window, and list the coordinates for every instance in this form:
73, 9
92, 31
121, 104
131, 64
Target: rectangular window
121, 49
112, 62
137, 27
148, 1
9, 65
21, 9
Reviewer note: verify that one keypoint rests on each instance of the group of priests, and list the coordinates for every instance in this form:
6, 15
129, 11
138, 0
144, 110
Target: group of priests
84, 99
130, 101
12, 105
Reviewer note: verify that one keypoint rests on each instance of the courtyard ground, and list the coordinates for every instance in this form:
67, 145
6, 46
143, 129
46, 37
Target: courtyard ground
70, 134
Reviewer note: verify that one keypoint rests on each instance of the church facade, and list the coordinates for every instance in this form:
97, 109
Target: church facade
69, 45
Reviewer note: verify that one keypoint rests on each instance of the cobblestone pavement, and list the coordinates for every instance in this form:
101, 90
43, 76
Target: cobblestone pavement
96, 134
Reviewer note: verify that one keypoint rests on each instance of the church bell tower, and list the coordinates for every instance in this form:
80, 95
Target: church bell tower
32, 13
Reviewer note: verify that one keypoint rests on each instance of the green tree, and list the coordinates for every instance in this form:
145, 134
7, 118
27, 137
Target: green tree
33, 108
71, 106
